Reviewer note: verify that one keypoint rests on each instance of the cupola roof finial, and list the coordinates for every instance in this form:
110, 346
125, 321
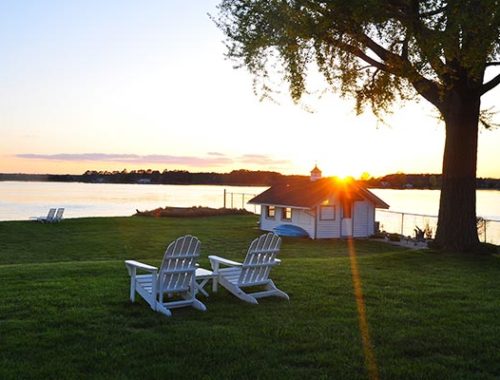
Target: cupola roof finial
315, 173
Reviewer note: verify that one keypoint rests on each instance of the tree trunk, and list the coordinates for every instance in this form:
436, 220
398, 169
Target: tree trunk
457, 230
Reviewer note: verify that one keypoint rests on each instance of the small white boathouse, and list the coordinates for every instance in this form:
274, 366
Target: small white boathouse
323, 207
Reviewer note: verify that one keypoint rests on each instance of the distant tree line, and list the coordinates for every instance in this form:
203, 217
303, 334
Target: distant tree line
236, 178
181, 177
422, 181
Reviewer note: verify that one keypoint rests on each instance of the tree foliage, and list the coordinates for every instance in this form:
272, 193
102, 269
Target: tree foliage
380, 52
377, 51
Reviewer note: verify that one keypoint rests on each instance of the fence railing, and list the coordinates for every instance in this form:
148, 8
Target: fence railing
239, 200
404, 223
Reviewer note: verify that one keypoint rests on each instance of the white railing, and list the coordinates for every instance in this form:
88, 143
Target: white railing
405, 223
239, 201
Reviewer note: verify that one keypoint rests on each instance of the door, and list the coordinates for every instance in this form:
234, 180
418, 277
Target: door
360, 228
346, 227
346, 219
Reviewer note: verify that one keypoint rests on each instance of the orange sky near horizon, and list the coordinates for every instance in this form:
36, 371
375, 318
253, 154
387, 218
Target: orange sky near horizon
121, 85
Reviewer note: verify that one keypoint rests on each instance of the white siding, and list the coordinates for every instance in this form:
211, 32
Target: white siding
300, 217
371, 220
363, 219
328, 229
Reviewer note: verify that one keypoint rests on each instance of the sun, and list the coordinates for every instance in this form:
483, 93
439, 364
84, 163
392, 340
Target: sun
340, 152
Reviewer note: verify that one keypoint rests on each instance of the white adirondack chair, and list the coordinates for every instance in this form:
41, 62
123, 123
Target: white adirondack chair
175, 276
48, 218
59, 215
254, 270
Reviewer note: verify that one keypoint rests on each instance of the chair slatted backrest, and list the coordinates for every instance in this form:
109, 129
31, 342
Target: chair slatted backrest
59, 215
178, 268
260, 259
51, 214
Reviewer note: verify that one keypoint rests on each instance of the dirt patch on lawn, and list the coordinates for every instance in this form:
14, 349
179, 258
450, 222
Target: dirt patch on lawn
190, 212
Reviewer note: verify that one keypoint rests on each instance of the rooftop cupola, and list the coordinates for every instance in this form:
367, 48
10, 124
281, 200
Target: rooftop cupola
315, 173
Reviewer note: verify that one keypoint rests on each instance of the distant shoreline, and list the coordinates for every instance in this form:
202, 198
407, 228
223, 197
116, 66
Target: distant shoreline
398, 181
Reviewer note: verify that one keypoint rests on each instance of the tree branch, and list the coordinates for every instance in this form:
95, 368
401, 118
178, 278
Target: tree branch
492, 64
429, 90
434, 12
358, 53
395, 65
410, 17
489, 85
382, 52
400, 66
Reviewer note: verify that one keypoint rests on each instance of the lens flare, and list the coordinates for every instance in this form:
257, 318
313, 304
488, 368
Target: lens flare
369, 354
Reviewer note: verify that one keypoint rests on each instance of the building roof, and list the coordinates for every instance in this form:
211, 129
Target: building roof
307, 194
315, 170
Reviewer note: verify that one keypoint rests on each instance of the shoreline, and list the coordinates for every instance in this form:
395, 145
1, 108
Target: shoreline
237, 178
216, 185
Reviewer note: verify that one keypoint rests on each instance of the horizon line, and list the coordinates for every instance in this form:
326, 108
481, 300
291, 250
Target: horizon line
114, 172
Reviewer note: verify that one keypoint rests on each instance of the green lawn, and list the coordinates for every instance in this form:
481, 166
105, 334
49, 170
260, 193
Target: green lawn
64, 310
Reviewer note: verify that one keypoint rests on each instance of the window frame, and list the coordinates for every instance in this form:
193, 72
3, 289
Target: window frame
271, 210
323, 218
284, 213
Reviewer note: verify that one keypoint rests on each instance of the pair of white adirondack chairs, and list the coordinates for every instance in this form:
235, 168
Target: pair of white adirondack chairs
54, 215
177, 274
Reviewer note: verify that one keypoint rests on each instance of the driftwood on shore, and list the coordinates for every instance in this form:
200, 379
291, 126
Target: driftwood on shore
190, 212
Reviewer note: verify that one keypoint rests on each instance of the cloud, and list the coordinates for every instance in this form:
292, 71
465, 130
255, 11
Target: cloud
260, 159
131, 158
216, 154
212, 159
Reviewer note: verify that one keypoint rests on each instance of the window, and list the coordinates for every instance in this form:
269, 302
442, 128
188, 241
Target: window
287, 214
270, 212
327, 213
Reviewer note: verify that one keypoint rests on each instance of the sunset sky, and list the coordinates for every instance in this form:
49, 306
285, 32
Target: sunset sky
108, 85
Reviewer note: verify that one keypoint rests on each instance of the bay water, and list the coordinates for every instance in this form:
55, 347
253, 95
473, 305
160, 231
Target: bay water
22, 200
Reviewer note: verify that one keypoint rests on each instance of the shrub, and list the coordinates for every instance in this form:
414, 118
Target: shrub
394, 237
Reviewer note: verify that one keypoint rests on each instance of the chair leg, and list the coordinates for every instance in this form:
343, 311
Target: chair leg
277, 292
163, 310
246, 297
215, 282
199, 305
132, 289
235, 290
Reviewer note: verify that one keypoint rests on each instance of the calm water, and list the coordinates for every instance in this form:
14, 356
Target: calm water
426, 202
22, 200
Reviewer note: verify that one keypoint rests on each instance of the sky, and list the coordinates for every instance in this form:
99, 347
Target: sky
113, 85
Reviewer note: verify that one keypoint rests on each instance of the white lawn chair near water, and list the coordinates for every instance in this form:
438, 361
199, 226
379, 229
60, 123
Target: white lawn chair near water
253, 272
45, 219
58, 216
176, 276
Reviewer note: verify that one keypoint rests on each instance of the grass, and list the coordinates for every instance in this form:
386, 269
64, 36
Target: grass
64, 310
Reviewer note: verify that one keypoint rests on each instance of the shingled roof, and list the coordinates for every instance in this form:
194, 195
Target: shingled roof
307, 194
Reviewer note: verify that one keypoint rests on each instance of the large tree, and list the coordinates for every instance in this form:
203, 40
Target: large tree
381, 52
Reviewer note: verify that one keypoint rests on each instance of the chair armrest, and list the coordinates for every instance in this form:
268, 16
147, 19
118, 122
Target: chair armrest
215, 261
133, 265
